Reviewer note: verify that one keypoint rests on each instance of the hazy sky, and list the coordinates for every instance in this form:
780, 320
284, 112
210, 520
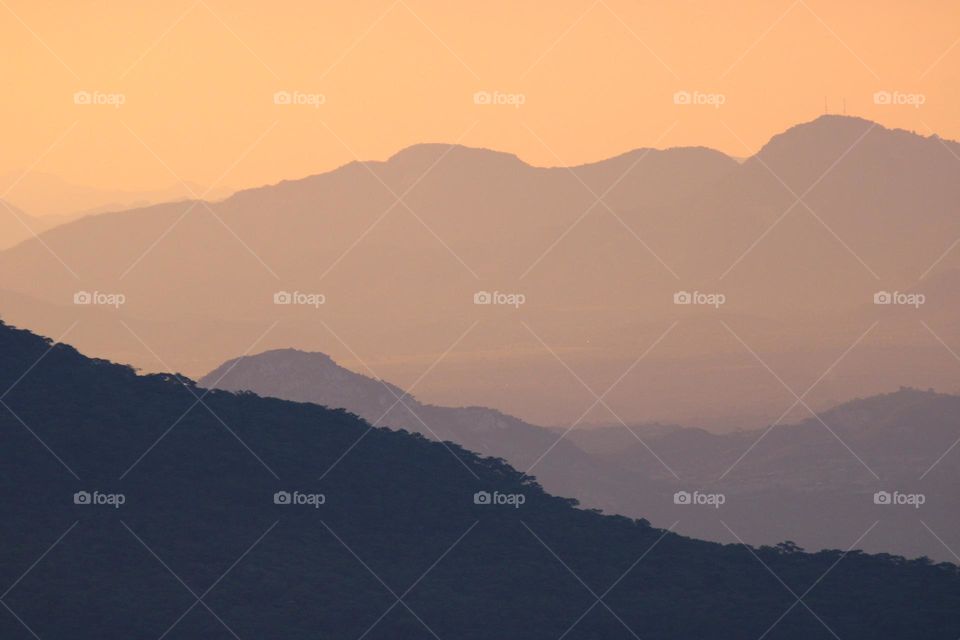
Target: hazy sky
198, 78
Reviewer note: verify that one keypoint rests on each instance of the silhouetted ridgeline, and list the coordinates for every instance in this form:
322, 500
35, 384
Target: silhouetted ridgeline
799, 297
397, 508
796, 481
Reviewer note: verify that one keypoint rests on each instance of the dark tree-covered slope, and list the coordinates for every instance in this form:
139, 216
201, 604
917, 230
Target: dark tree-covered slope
399, 549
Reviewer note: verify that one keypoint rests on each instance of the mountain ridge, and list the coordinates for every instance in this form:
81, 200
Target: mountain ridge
199, 278
626, 469
198, 501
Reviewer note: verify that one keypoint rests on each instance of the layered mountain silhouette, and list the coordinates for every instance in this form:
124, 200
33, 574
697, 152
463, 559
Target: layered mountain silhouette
290, 374
560, 466
812, 482
47, 195
798, 238
143, 505
815, 478
16, 225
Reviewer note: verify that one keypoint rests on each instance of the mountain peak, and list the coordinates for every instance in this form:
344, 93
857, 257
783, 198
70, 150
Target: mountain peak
430, 152
290, 353
833, 131
825, 130
307, 372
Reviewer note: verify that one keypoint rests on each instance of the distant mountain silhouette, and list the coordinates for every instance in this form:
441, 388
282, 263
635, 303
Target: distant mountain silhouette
797, 481
17, 226
200, 519
48, 195
598, 277
295, 375
777, 479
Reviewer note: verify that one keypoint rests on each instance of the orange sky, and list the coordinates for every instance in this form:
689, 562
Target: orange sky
596, 78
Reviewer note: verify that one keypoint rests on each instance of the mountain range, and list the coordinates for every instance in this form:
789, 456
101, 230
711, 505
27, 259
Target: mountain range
47, 195
16, 225
143, 505
812, 482
798, 239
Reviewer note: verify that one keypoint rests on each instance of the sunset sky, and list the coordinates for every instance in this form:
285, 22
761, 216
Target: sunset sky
198, 78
